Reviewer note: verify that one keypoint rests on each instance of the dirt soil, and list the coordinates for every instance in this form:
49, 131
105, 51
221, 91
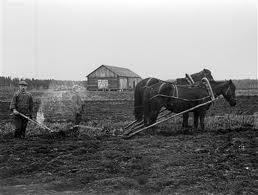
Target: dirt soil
218, 162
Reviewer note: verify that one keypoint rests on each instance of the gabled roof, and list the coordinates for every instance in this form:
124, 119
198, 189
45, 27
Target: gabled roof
124, 72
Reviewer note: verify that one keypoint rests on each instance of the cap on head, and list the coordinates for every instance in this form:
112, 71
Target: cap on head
23, 83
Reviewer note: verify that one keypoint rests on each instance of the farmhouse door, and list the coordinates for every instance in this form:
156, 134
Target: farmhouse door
122, 83
102, 84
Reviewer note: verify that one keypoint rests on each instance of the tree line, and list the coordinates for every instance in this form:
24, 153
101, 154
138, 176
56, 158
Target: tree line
39, 83
64, 84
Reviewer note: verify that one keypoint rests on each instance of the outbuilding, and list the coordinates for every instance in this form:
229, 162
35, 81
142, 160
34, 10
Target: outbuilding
112, 78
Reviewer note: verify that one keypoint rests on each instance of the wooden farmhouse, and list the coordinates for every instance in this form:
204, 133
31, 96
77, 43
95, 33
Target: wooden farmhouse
112, 78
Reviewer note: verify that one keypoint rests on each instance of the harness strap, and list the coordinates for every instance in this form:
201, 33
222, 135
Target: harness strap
177, 95
175, 91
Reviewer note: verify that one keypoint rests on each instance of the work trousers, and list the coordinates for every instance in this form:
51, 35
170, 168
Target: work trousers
20, 124
78, 118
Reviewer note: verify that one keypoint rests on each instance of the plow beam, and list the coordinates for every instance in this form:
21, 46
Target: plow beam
134, 126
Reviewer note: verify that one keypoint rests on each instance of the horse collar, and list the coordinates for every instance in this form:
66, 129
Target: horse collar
160, 87
208, 87
149, 80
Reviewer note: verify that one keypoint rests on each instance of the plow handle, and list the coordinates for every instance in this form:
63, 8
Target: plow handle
35, 122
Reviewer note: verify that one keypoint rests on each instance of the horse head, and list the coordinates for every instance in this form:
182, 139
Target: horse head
204, 73
207, 74
228, 92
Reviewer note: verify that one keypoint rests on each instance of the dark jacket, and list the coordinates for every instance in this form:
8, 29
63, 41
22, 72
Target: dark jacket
22, 102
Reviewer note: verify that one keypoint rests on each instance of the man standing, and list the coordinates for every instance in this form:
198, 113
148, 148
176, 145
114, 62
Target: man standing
77, 105
22, 102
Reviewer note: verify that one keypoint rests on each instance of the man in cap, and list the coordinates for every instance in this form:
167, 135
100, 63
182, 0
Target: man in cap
77, 105
22, 102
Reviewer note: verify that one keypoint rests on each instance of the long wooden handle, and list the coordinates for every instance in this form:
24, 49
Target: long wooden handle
35, 122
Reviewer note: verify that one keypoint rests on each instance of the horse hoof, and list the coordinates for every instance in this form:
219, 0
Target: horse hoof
188, 132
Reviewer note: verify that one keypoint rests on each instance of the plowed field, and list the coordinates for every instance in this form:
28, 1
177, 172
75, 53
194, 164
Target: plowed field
203, 162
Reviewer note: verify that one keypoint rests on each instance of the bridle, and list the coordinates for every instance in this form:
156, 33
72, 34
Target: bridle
229, 95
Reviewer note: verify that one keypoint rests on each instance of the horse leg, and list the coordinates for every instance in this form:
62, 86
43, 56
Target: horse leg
156, 113
185, 120
138, 106
202, 116
196, 118
146, 119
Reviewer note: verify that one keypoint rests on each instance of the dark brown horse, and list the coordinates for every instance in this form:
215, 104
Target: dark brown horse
187, 97
196, 77
149, 82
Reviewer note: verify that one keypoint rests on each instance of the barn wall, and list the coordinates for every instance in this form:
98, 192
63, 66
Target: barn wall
93, 83
121, 83
102, 72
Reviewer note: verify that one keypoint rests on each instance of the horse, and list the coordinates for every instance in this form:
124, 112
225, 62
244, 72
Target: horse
148, 82
187, 97
196, 77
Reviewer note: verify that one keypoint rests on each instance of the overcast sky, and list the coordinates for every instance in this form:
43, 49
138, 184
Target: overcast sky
67, 39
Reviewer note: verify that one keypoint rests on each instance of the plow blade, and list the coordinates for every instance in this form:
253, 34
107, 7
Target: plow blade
135, 126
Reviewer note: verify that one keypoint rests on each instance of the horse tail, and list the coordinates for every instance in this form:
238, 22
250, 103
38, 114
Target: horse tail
138, 109
147, 106
138, 96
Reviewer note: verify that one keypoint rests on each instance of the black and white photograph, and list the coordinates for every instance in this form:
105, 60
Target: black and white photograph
128, 97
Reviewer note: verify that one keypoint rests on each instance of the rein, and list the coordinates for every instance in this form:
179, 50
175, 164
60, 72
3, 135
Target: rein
173, 97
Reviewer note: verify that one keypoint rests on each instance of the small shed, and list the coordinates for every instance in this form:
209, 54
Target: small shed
112, 78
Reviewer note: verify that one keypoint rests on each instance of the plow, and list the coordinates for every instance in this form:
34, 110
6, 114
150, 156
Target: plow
138, 126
